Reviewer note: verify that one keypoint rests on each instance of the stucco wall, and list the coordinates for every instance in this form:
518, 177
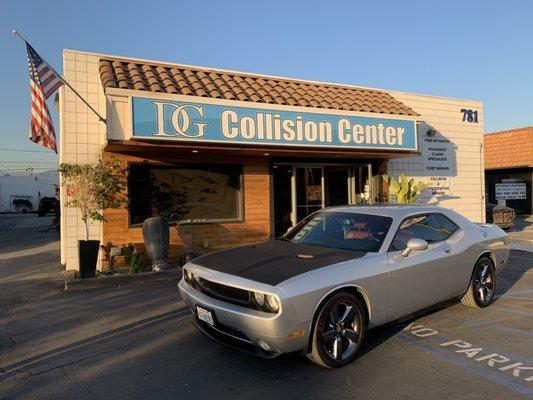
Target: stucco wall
466, 159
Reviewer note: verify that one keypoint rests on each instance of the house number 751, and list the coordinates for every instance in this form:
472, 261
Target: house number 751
469, 115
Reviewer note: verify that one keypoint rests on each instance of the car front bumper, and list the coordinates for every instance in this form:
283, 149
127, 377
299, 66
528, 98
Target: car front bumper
256, 332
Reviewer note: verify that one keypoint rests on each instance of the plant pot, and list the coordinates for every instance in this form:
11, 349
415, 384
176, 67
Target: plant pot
156, 236
88, 256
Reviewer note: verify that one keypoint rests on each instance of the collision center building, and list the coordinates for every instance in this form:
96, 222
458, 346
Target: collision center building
233, 158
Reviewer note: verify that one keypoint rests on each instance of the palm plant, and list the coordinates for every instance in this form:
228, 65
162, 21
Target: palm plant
406, 191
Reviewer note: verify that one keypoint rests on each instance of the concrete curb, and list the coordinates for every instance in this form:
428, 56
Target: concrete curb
106, 281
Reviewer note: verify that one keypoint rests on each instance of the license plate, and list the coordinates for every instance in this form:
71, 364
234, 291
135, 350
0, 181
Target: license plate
205, 315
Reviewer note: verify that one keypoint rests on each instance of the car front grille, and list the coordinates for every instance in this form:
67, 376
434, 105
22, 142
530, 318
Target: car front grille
223, 292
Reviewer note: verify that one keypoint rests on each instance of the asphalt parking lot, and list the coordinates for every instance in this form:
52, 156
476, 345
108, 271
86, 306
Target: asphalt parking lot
138, 342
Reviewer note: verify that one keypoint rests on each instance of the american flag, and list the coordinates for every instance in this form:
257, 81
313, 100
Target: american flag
43, 83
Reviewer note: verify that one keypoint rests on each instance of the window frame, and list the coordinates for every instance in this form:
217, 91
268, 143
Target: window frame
240, 194
390, 250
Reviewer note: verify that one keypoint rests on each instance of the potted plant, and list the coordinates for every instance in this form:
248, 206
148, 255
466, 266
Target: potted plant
92, 188
406, 191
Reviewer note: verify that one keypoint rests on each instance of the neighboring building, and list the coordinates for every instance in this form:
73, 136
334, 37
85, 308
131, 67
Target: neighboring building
509, 168
26, 187
235, 158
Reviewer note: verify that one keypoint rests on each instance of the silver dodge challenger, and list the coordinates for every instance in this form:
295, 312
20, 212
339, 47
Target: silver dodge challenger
338, 273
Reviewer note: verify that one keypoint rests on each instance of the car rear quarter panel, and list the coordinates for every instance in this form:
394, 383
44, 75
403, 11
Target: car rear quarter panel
477, 241
369, 275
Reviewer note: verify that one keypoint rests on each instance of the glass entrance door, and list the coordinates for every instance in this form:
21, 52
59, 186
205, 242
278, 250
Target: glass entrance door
337, 186
300, 190
309, 191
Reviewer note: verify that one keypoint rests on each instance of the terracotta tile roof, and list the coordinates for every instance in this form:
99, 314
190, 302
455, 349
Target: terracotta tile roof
509, 149
204, 82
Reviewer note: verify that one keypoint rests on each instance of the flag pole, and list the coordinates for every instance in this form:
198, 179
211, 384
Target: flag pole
102, 119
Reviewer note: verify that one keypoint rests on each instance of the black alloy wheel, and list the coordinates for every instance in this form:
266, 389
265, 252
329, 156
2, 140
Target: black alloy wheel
484, 283
338, 331
482, 286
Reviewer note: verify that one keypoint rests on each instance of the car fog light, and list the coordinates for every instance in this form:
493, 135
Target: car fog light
272, 302
259, 298
263, 345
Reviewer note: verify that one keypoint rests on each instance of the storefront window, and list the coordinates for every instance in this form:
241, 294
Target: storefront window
185, 192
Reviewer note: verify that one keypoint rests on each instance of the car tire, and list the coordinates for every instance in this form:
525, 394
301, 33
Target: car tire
480, 292
338, 331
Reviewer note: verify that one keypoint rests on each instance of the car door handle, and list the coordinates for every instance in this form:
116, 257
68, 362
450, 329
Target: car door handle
448, 249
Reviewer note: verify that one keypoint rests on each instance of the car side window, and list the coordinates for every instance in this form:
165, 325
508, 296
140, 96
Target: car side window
423, 227
447, 226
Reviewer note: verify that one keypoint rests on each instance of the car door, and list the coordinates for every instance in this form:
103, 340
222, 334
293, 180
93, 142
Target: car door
425, 277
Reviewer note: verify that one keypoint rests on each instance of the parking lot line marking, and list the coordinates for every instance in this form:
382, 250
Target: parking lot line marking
98, 338
465, 363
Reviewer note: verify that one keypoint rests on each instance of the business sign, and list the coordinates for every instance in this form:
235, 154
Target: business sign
439, 185
438, 156
218, 123
511, 191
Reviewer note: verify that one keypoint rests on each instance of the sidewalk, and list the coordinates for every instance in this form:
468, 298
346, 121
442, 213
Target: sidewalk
521, 235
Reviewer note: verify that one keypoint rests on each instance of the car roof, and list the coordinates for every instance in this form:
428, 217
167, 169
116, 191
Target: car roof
386, 209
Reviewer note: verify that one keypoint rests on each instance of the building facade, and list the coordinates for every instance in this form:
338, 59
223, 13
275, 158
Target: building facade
232, 158
509, 168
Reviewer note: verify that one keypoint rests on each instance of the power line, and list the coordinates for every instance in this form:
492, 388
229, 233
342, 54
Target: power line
29, 151
30, 162
27, 169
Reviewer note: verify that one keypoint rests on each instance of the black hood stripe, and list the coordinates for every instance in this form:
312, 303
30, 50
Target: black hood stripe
274, 261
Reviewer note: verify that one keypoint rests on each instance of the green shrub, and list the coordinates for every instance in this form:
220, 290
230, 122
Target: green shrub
134, 259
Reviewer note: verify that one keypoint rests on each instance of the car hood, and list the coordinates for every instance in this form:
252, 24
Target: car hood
274, 261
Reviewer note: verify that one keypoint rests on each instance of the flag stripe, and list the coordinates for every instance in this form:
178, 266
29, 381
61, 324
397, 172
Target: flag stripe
51, 90
43, 83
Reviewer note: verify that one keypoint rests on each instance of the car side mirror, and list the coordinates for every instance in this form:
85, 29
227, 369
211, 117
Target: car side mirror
414, 244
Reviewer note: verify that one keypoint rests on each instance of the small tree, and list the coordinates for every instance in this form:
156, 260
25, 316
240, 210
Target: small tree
93, 187
406, 191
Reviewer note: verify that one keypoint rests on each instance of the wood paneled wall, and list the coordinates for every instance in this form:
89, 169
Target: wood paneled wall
255, 227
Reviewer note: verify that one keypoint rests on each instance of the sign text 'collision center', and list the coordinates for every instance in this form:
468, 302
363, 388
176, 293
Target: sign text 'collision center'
166, 119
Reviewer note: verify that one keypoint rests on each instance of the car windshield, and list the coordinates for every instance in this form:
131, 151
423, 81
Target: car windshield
341, 230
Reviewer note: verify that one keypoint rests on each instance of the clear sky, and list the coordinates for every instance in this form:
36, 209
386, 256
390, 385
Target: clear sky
473, 49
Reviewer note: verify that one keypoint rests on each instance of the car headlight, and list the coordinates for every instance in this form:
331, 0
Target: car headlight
190, 278
272, 302
259, 298
187, 275
265, 302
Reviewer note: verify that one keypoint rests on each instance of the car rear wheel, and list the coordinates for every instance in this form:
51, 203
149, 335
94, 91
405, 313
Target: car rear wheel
338, 331
482, 286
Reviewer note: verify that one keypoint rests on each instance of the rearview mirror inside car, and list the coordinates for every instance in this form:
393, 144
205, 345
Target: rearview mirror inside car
414, 244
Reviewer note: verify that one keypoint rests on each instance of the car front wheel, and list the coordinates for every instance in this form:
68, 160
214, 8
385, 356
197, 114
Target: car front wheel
482, 286
338, 331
